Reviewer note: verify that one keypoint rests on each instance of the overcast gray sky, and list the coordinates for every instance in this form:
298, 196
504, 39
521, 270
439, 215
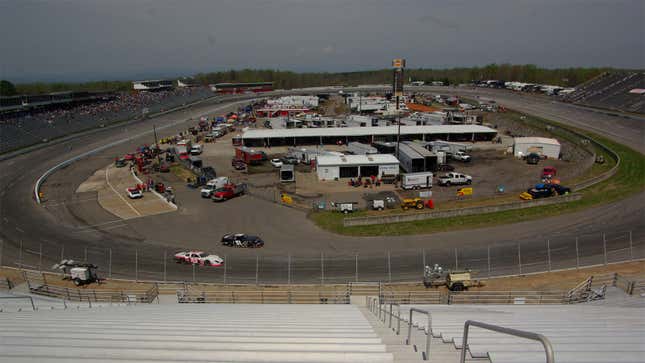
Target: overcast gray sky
81, 40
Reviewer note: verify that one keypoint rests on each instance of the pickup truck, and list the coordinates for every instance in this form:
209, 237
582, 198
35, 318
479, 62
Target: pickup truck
461, 156
455, 179
228, 191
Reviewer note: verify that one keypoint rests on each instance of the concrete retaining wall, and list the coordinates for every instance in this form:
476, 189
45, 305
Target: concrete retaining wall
396, 218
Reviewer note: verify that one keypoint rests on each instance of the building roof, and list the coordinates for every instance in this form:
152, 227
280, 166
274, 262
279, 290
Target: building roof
536, 140
365, 131
354, 160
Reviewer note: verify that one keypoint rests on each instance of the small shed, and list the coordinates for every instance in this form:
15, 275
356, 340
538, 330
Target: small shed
540, 145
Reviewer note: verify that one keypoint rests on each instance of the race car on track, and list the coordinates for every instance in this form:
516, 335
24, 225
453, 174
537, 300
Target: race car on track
198, 258
242, 240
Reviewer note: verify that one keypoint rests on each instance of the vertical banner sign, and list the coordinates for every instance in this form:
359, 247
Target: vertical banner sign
397, 85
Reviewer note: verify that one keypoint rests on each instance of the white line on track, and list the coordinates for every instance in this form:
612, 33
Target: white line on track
107, 180
89, 226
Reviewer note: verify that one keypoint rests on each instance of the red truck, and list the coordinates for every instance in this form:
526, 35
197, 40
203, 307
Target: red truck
228, 191
250, 156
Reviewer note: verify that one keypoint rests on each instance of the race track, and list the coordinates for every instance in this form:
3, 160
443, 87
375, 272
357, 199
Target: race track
74, 225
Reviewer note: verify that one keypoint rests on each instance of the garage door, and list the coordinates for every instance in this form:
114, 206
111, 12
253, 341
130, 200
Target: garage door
369, 170
348, 171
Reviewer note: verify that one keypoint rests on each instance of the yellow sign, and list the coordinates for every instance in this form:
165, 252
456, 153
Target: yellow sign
398, 63
464, 191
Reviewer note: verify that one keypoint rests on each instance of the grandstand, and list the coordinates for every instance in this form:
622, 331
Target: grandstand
613, 91
28, 120
363, 328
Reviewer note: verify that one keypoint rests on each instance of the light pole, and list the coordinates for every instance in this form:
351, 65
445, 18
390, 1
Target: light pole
397, 88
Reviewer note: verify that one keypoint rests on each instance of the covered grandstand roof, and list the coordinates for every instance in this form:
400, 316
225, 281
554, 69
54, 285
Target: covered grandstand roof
359, 131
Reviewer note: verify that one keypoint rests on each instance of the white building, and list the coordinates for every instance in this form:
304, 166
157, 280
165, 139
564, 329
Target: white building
332, 167
294, 101
540, 145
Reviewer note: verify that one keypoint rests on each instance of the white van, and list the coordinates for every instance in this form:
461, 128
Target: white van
196, 149
416, 180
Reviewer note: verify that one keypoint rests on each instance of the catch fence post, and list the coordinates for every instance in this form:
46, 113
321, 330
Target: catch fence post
20, 255
389, 267
519, 256
193, 272
356, 267
631, 247
604, 247
423, 256
164, 266
225, 264
488, 258
40, 258
1, 245
322, 268
136, 265
456, 260
257, 268
110, 264
62, 252
548, 253
289, 269
85, 255
577, 255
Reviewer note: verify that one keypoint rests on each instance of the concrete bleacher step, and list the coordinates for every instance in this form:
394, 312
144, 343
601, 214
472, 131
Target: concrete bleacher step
180, 333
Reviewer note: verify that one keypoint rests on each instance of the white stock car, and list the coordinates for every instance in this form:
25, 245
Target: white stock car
198, 258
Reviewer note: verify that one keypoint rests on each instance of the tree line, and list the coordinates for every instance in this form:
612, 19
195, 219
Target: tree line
528, 73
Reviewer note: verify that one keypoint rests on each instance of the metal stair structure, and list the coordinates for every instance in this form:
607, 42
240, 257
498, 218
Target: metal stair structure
577, 333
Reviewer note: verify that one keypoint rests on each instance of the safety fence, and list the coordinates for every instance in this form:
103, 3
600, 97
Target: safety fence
261, 266
37, 284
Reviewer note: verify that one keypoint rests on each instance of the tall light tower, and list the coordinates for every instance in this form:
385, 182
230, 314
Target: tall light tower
397, 89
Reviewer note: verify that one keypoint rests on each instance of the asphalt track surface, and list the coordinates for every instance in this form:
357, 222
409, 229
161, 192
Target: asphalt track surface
75, 226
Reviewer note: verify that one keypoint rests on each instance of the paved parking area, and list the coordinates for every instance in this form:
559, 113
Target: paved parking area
111, 183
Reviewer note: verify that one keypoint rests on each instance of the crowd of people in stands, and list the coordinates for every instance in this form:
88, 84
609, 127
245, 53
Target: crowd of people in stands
119, 105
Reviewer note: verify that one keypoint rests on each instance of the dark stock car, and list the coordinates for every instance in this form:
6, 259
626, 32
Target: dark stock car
242, 240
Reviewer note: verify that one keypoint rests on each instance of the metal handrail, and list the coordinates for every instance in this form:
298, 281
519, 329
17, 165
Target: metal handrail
548, 348
429, 332
33, 306
398, 317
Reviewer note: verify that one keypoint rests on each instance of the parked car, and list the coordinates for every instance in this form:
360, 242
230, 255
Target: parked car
292, 160
238, 164
134, 193
544, 191
461, 156
242, 240
453, 178
549, 172
277, 163
533, 158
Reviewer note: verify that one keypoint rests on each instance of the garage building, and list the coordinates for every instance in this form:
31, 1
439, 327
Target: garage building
366, 135
540, 145
332, 167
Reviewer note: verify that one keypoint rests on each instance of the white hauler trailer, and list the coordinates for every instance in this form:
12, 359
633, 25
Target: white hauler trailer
421, 180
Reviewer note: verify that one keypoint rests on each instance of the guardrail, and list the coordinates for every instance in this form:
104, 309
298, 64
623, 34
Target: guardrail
487, 297
33, 306
262, 297
5, 283
548, 348
409, 217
